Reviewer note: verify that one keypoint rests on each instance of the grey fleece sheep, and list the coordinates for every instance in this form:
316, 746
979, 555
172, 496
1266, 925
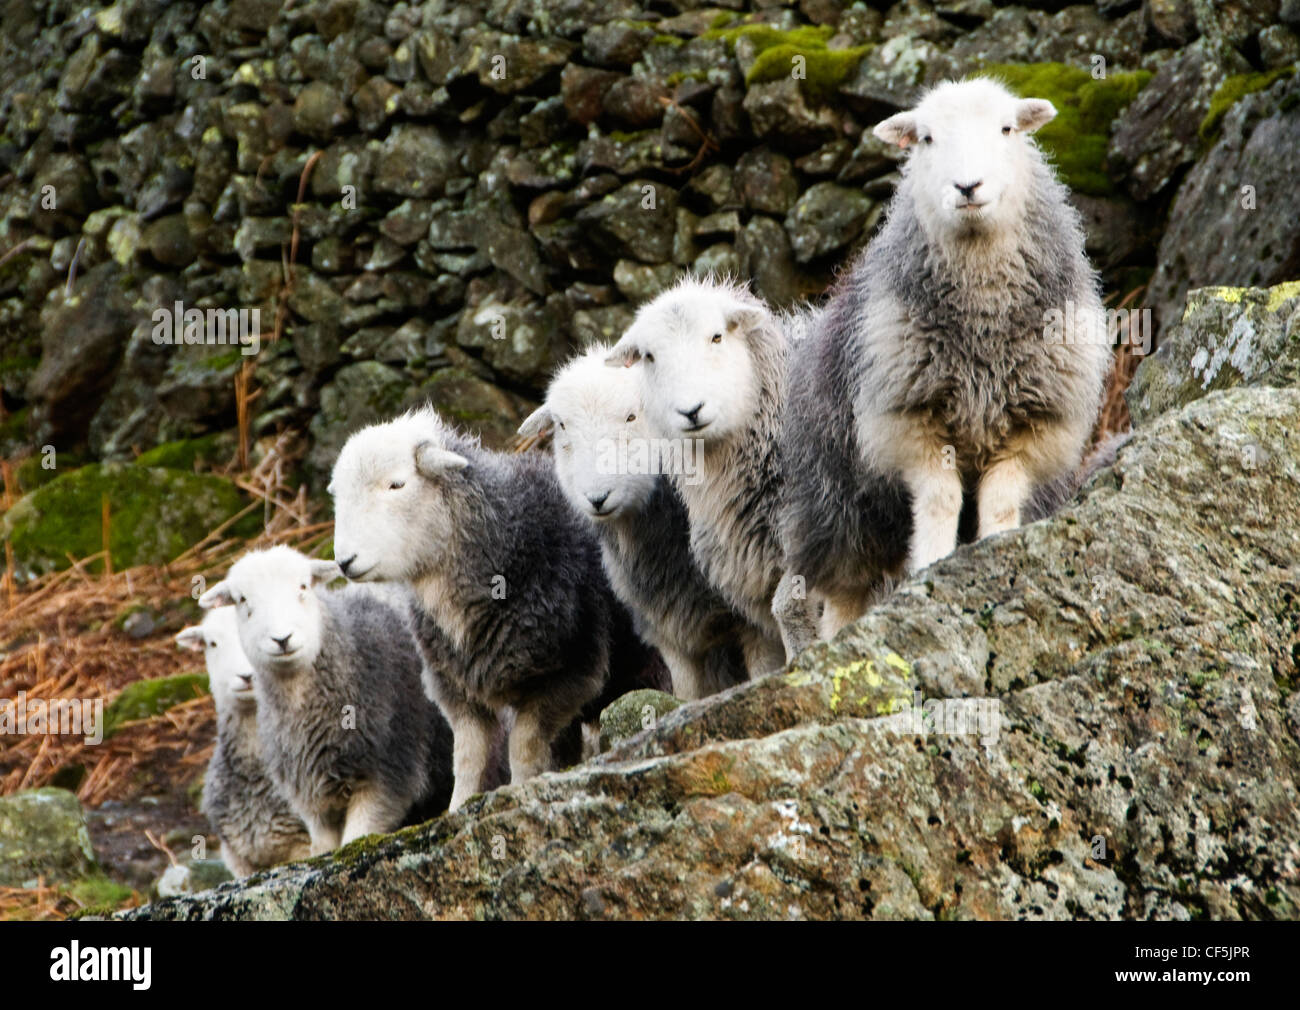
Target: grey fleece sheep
608, 468
346, 732
511, 603
961, 354
254, 821
712, 361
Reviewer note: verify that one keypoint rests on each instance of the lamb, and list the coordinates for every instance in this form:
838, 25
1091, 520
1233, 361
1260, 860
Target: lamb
712, 359
256, 826
602, 461
959, 354
345, 730
511, 603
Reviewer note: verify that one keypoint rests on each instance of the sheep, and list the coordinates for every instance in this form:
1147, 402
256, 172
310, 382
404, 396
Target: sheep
346, 732
511, 603
712, 363
602, 461
960, 353
254, 821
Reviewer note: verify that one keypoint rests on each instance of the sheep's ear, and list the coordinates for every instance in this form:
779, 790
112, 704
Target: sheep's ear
536, 421
190, 638
434, 461
218, 596
624, 355
325, 571
1031, 113
899, 129
742, 318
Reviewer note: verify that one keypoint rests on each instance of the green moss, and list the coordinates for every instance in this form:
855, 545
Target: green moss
721, 20
824, 69
1086, 108
147, 698
1230, 92
765, 36
155, 515
99, 895
182, 455
677, 76
668, 40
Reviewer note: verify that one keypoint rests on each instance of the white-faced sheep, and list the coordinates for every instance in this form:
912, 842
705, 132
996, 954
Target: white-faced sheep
254, 821
712, 359
512, 607
611, 471
346, 732
958, 354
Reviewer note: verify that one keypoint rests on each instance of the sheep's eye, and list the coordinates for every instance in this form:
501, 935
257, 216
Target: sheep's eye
631, 418
396, 485
717, 338
928, 139
303, 587
650, 357
562, 428
1006, 131
212, 645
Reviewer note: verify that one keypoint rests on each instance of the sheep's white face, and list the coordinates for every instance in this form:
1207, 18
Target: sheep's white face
230, 674
691, 346
276, 609
970, 163
596, 415
391, 514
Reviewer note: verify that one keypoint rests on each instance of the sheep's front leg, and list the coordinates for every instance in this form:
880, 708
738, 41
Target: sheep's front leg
324, 837
1004, 488
371, 811
530, 746
470, 749
936, 509
763, 653
686, 672
794, 615
843, 609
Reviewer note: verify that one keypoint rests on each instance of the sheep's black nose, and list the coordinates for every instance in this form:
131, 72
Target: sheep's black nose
692, 415
346, 563
968, 190
247, 678
283, 643
597, 500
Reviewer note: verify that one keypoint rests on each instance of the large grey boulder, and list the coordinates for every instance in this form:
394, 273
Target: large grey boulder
1126, 743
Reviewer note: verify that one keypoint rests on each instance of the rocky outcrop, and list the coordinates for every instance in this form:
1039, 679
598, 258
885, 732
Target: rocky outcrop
1234, 220
1226, 337
1095, 716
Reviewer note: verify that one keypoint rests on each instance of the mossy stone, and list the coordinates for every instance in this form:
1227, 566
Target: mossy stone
1230, 92
775, 51
154, 515
181, 455
630, 714
43, 833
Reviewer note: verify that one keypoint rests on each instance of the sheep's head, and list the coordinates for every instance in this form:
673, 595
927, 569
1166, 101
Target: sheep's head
230, 674
394, 489
693, 347
603, 452
277, 611
971, 162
